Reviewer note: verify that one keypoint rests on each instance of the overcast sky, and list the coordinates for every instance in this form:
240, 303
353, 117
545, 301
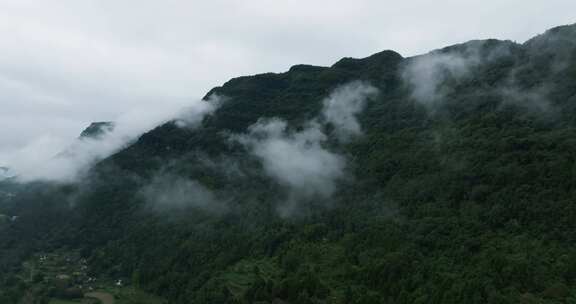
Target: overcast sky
65, 63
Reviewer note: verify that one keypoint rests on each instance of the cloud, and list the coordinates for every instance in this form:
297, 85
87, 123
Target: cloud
192, 115
430, 77
533, 99
173, 193
300, 160
425, 74
5, 173
46, 159
342, 107
296, 160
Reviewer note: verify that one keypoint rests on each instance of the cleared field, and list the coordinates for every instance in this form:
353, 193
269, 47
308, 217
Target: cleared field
103, 297
79, 301
58, 301
135, 296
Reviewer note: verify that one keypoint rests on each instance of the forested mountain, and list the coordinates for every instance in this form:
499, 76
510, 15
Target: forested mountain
448, 177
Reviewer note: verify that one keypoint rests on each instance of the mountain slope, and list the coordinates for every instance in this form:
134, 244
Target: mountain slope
458, 189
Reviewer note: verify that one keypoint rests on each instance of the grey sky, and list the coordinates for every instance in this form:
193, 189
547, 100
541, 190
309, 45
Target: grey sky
66, 63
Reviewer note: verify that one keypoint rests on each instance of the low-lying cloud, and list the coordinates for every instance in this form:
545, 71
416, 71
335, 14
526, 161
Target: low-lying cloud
172, 193
532, 99
425, 75
342, 107
192, 115
50, 158
301, 160
430, 77
296, 160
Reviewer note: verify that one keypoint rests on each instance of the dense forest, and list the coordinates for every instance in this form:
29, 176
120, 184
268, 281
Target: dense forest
448, 177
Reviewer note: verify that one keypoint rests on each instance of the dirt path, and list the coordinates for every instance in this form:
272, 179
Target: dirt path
104, 297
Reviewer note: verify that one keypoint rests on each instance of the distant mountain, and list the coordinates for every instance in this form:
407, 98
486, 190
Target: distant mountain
7, 186
97, 129
441, 178
78, 151
5, 173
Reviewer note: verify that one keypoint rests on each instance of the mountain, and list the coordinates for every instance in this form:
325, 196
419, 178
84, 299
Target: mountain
6, 184
5, 173
441, 178
84, 149
97, 129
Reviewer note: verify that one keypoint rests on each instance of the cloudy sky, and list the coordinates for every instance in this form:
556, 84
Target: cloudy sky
65, 63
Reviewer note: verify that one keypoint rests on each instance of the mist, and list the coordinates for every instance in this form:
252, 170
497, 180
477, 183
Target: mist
296, 160
167, 192
56, 159
425, 74
342, 107
534, 99
301, 160
430, 77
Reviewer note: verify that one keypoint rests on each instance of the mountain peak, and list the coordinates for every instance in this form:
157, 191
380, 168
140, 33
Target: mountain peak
4, 173
380, 58
563, 30
560, 38
97, 129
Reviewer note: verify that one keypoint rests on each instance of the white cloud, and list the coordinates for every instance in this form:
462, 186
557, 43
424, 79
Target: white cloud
192, 115
343, 105
425, 74
173, 193
296, 160
300, 160
55, 159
